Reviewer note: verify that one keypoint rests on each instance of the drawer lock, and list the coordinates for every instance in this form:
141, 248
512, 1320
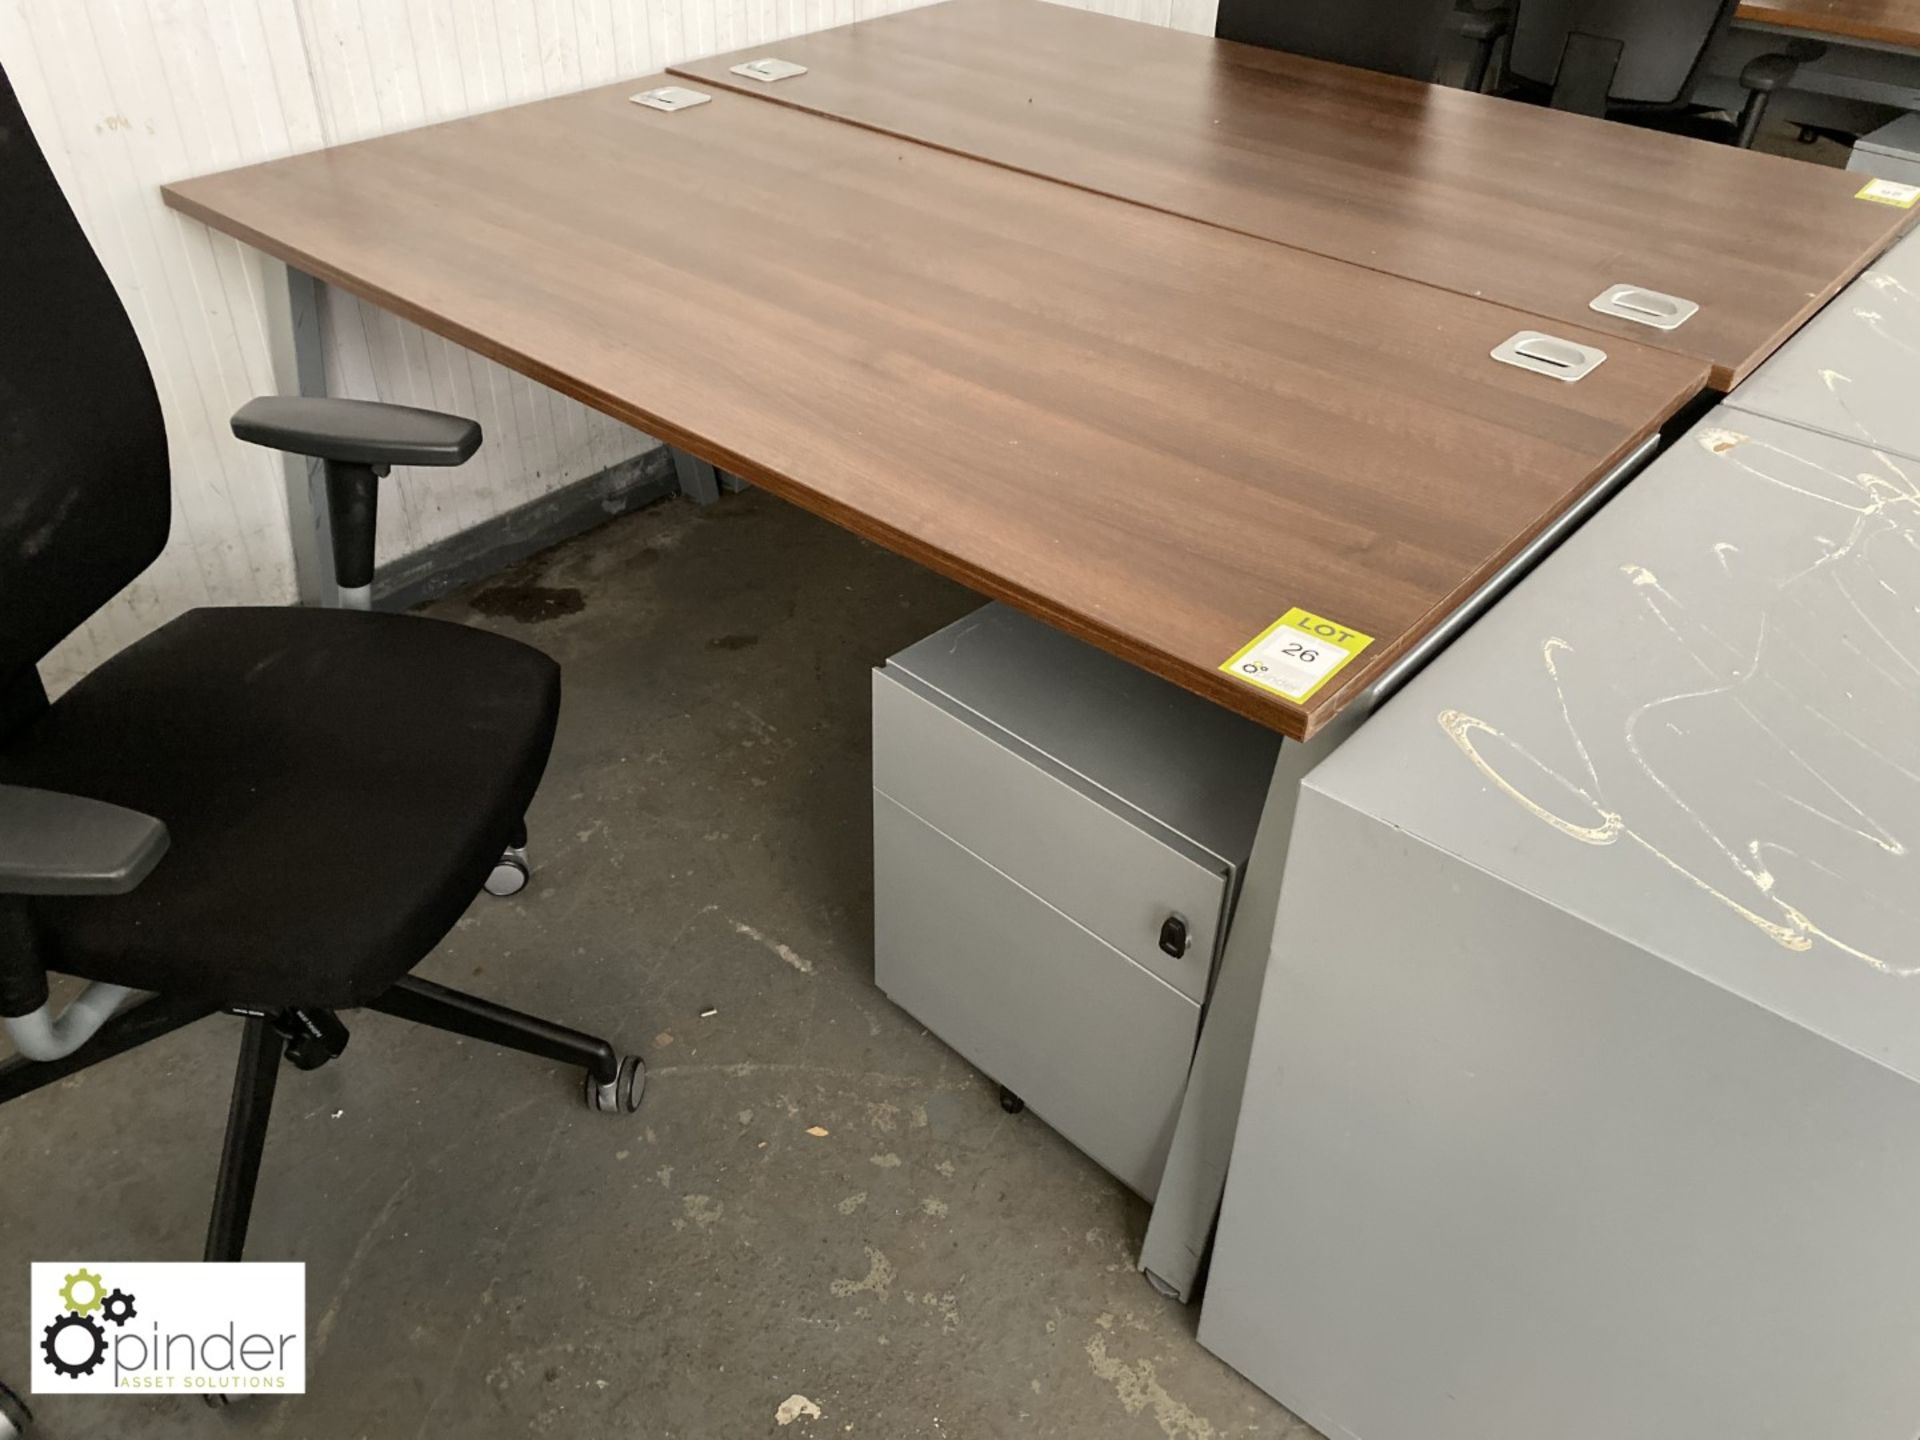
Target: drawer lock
1174, 939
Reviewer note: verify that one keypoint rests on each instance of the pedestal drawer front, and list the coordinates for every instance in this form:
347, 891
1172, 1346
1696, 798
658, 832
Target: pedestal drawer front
1096, 1046
1074, 849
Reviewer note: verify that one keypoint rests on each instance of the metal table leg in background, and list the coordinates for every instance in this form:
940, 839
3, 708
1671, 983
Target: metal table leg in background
699, 481
292, 303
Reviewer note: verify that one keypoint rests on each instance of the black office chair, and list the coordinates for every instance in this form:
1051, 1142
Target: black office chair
1636, 60
271, 813
1420, 39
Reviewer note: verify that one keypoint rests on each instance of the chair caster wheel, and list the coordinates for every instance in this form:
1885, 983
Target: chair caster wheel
217, 1402
307, 1054
15, 1417
510, 873
1010, 1102
313, 1037
622, 1094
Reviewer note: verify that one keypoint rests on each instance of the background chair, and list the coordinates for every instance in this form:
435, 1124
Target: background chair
1420, 39
1635, 59
271, 813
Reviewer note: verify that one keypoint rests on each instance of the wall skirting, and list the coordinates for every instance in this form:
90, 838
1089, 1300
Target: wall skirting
494, 544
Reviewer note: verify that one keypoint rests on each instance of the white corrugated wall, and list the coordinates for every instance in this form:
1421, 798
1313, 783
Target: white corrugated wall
125, 95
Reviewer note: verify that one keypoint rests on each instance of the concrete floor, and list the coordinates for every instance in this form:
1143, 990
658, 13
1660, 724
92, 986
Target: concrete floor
487, 1258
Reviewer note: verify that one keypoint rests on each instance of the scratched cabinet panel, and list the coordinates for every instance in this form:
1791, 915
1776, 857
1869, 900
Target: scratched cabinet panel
1501, 1175
1854, 370
1696, 725
1585, 1093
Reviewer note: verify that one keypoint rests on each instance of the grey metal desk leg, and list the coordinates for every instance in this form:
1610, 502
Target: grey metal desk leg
699, 481
1188, 1200
732, 483
300, 368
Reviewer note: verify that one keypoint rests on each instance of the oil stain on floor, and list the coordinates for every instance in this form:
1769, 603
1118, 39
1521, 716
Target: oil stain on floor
529, 604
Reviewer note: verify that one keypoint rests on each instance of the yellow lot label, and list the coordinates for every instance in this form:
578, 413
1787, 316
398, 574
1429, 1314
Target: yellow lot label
1890, 192
1296, 655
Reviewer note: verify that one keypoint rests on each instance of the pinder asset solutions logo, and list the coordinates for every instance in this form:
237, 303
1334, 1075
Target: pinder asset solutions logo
138, 1328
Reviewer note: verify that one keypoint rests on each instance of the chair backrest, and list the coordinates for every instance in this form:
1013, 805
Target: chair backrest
84, 485
1662, 42
1397, 37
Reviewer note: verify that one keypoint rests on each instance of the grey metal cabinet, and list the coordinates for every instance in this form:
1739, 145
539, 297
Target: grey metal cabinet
1892, 152
1584, 1099
1058, 838
1849, 372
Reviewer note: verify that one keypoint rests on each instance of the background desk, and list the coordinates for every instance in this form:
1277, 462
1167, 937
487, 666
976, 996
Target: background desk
1482, 196
1893, 23
1868, 71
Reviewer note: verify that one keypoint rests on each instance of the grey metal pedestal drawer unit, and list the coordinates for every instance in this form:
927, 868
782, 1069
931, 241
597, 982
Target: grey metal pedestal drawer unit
1057, 841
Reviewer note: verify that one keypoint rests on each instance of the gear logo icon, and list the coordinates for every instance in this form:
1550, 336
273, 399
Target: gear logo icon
76, 1342
85, 1280
74, 1369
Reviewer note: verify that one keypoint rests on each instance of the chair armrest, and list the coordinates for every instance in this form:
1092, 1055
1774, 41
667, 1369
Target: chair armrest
359, 441
1481, 26
57, 844
357, 432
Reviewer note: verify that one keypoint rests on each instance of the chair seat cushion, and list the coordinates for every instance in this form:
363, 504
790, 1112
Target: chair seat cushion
337, 787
